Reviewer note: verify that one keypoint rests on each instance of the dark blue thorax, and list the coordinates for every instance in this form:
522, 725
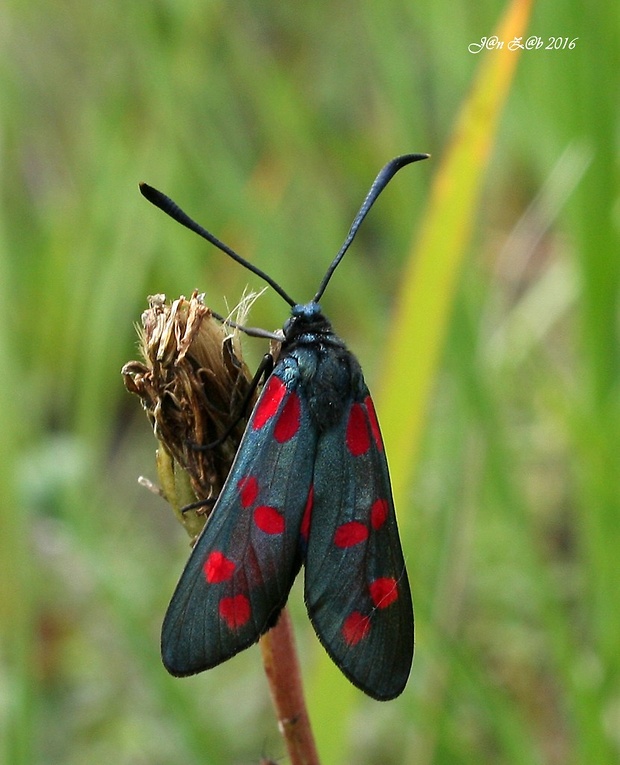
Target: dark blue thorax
329, 375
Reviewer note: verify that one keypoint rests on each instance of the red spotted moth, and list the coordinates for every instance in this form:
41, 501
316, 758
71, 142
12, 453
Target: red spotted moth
309, 485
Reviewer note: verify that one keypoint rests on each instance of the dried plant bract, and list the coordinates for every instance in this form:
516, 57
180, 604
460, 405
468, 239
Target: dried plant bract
194, 386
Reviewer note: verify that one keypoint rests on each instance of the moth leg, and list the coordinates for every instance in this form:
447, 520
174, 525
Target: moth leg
265, 368
200, 503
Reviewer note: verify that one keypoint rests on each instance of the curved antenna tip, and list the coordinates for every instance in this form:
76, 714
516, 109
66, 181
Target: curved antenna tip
408, 158
381, 181
159, 199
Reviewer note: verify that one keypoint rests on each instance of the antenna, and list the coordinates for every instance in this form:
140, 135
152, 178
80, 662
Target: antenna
172, 209
380, 182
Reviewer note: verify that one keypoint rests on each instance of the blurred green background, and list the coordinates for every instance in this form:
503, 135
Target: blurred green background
267, 122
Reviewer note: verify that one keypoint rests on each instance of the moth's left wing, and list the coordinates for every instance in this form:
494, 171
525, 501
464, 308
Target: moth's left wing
240, 572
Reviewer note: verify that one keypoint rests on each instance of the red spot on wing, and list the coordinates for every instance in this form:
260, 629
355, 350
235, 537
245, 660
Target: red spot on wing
218, 568
248, 491
269, 402
307, 516
235, 611
289, 419
379, 513
269, 519
383, 591
355, 628
349, 534
358, 438
374, 422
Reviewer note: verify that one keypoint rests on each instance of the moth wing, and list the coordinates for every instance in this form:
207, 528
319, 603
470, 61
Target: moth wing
242, 567
356, 587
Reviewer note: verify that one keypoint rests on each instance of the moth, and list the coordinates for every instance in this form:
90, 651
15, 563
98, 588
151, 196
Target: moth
309, 486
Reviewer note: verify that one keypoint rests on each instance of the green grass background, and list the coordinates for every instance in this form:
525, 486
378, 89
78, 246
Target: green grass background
267, 122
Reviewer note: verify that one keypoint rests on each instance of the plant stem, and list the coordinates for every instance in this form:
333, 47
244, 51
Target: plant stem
284, 677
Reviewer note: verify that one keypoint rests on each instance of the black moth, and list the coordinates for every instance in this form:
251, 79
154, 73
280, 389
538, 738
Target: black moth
309, 485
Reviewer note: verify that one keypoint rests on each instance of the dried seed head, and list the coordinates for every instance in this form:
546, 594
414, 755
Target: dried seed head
193, 384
